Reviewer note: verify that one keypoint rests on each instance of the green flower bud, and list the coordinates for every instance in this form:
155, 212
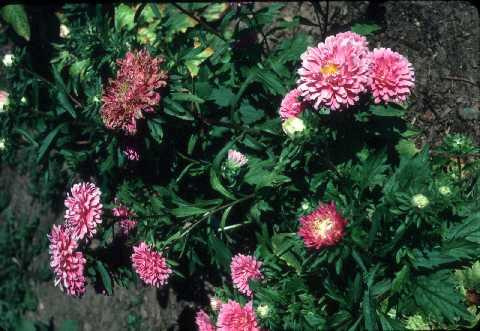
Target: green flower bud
293, 125
263, 311
444, 190
420, 201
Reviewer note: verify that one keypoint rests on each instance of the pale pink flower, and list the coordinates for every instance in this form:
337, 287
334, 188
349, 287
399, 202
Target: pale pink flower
234, 317
335, 73
203, 321
150, 265
133, 92
323, 227
67, 264
215, 303
243, 269
236, 159
84, 210
131, 153
392, 76
291, 106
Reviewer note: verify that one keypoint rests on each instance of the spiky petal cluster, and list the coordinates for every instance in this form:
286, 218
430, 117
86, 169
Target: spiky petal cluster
131, 152
323, 227
84, 211
126, 222
335, 73
133, 92
234, 317
150, 265
203, 321
392, 76
68, 265
291, 106
236, 159
243, 269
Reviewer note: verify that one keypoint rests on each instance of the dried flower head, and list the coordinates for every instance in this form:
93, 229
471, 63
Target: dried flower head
323, 227
133, 92
243, 269
392, 76
150, 265
67, 264
84, 211
236, 159
291, 106
335, 73
234, 317
203, 321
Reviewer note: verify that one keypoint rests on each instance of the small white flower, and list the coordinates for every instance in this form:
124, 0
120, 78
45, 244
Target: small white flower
3, 101
8, 60
2, 144
263, 311
64, 31
23, 101
292, 125
444, 190
420, 201
305, 205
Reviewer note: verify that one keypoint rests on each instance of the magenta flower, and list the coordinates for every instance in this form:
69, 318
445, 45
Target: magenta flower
133, 92
131, 153
291, 106
203, 321
126, 222
84, 211
323, 227
67, 264
234, 317
236, 159
150, 265
392, 76
335, 73
243, 269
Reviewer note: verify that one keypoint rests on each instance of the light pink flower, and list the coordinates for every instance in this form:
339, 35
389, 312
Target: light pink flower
323, 227
203, 321
236, 159
84, 211
150, 265
234, 317
67, 264
291, 106
335, 73
215, 303
392, 76
3, 100
132, 153
243, 269
133, 92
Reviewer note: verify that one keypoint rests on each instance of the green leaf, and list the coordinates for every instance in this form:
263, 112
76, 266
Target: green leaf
26, 135
69, 325
220, 252
214, 11
271, 81
47, 141
187, 211
65, 103
222, 96
249, 115
187, 97
365, 29
406, 148
282, 244
369, 311
124, 17
193, 64
400, 279
469, 229
106, 280
386, 110
156, 130
16, 16
25, 325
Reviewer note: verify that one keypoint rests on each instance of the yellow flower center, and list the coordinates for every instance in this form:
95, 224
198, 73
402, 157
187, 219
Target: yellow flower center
124, 88
329, 69
322, 226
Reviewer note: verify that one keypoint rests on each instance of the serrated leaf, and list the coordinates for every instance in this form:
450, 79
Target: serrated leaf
220, 252
400, 278
365, 29
47, 142
386, 111
106, 280
193, 64
249, 115
187, 211
16, 16
222, 96
406, 148
469, 229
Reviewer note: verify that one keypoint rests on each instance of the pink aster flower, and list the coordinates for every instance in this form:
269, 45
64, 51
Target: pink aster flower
236, 159
392, 76
234, 317
132, 153
67, 264
243, 269
203, 321
84, 210
150, 265
323, 227
126, 222
133, 92
335, 73
291, 106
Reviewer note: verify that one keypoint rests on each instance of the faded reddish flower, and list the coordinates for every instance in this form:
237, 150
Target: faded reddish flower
335, 73
291, 106
203, 321
150, 265
133, 92
67, 264
392, 76
243, 269
126, 222
323, 227
234, 317
132, 153
84, 211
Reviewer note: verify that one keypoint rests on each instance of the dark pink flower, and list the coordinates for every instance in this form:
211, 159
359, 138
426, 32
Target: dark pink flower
203, 321
67, 264
133, 92
291, 105
126, 222
131, 153
392, 76
243, 269
150, 265
127, 225
84, 211
234, 317
323, 227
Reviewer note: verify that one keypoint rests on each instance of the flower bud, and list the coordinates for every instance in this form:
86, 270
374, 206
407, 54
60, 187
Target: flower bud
292, 125
236, 159
2, 144
64, 31
263, 310
23, 101
8, 60
215, 303
444, 190
420, 201
3, 101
